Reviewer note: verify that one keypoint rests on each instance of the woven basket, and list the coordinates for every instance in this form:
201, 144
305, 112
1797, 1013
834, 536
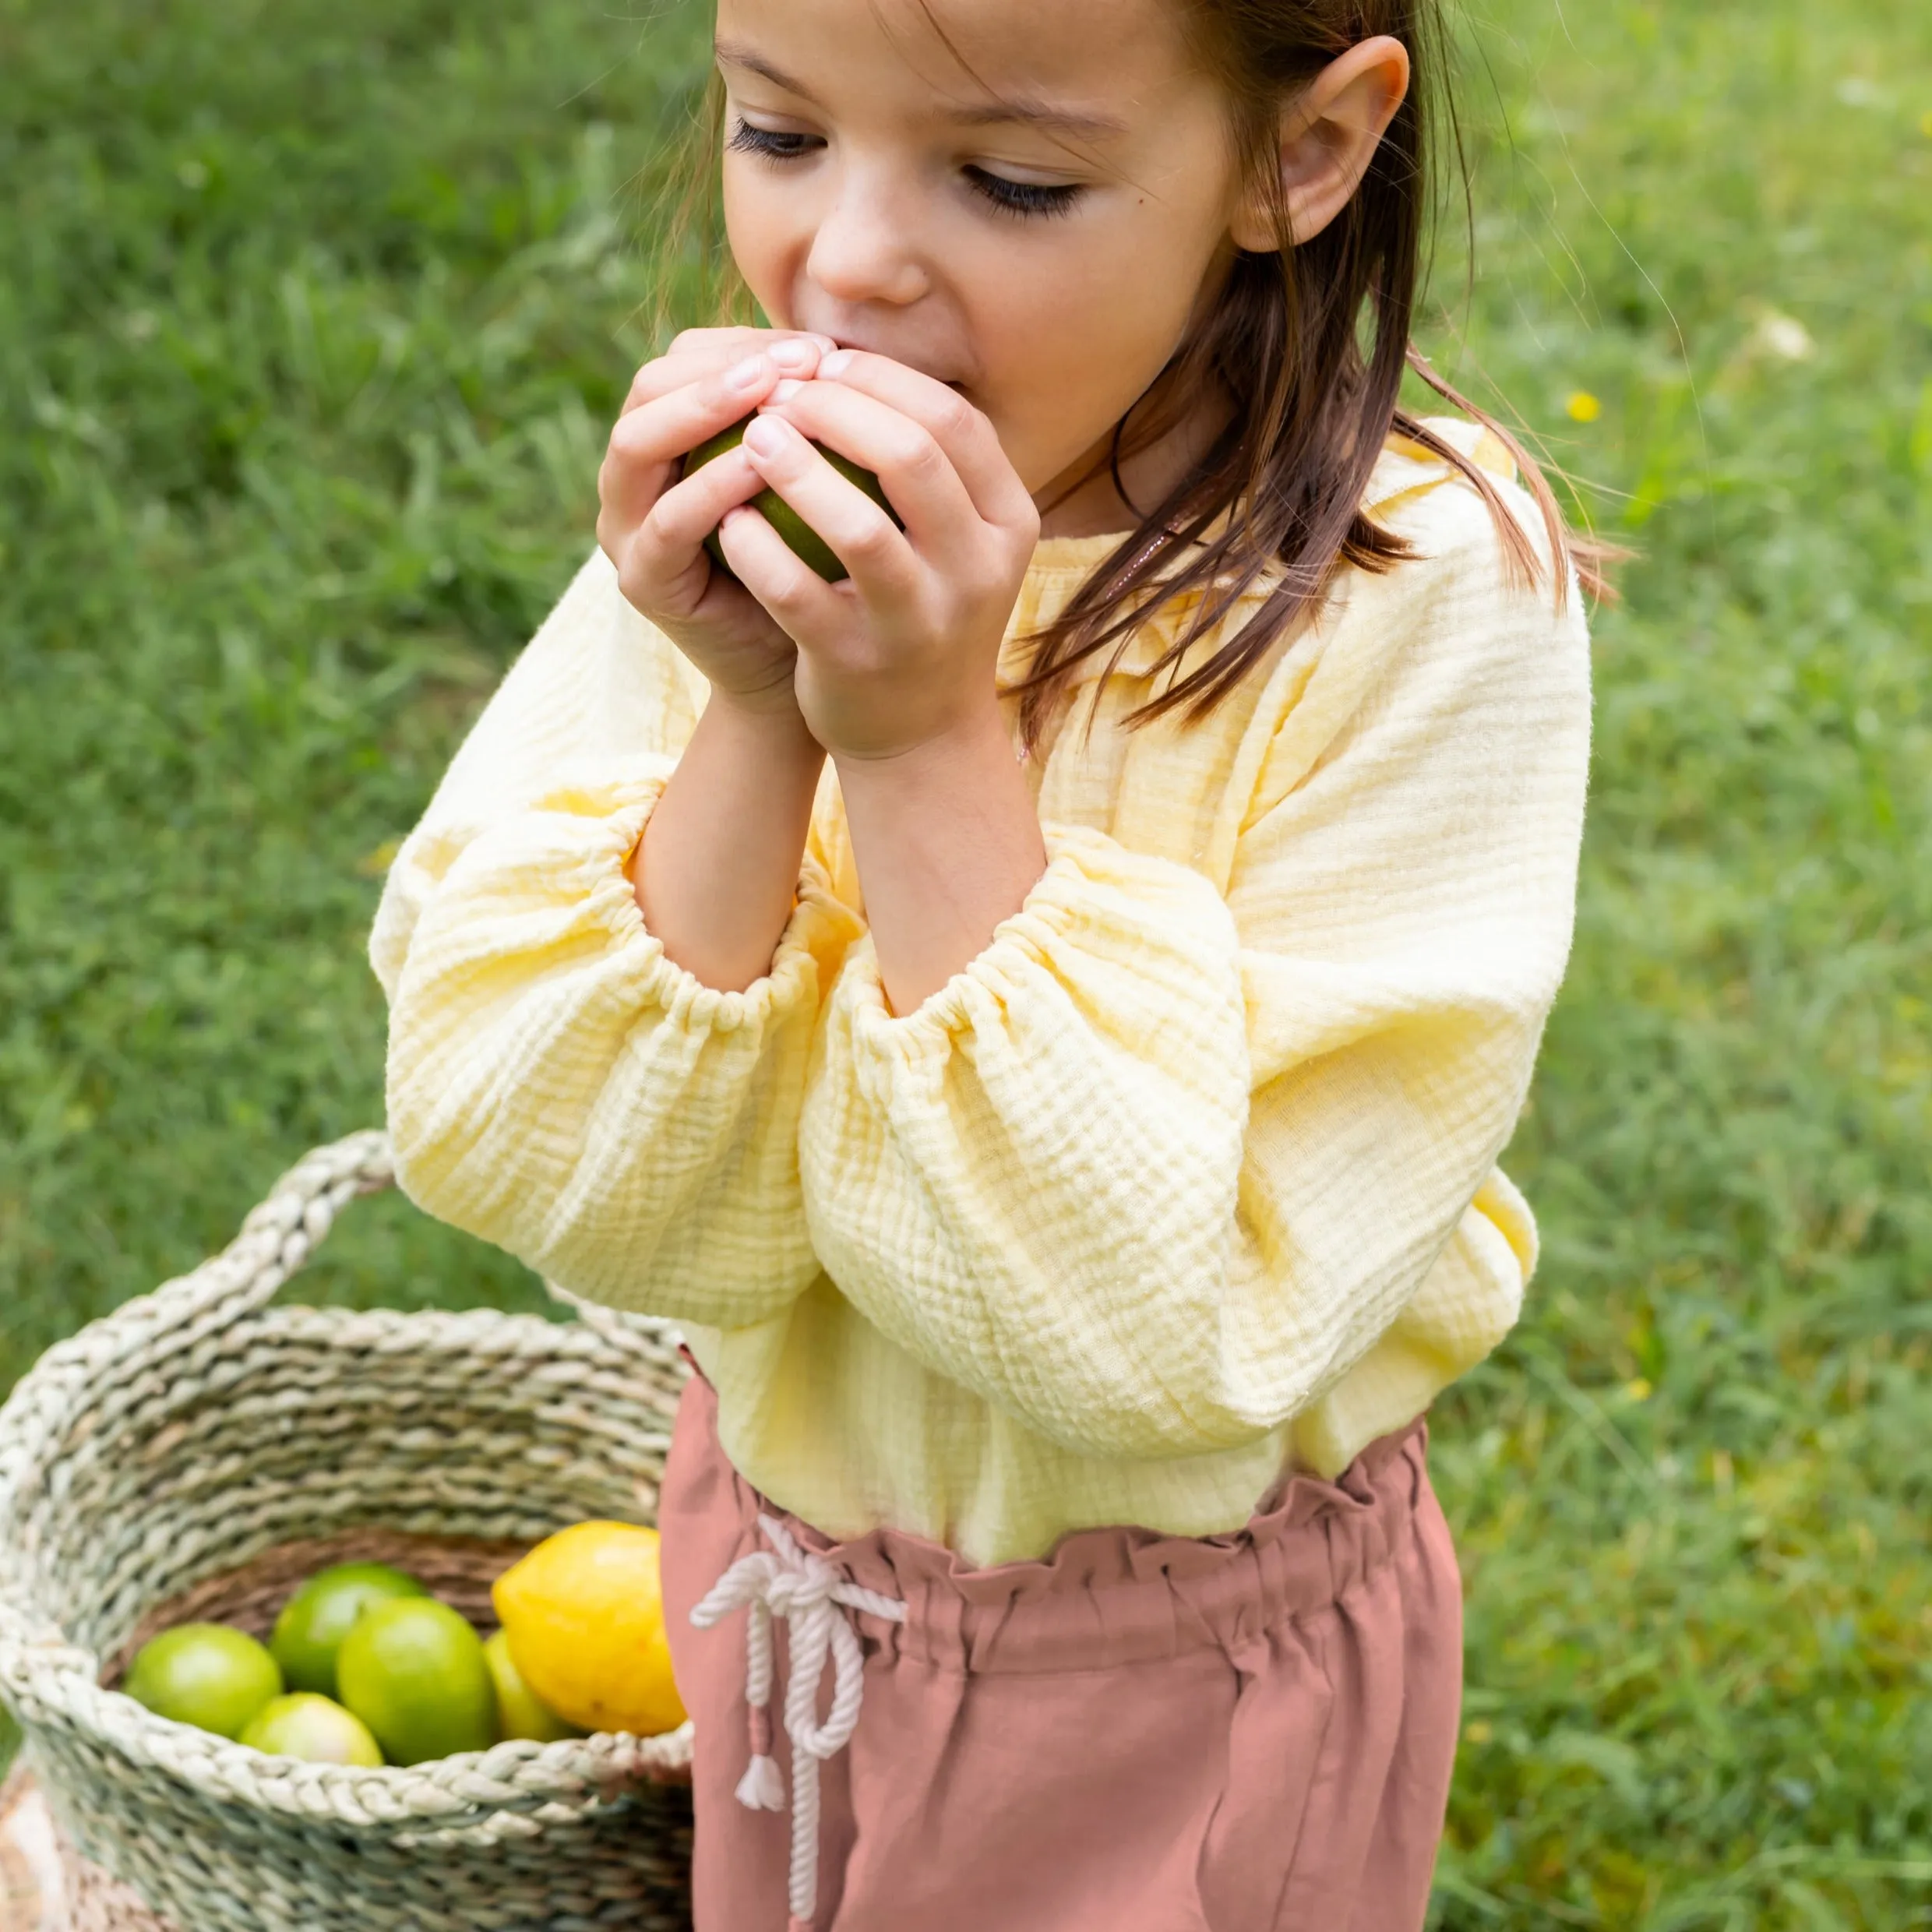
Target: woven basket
194, 1454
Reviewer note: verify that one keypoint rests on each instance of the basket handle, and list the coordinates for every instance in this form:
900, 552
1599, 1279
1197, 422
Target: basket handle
279, 1234
284, 1228
275, 1241
277, 1238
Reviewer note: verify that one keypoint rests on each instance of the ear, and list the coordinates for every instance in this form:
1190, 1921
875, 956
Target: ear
1330, 132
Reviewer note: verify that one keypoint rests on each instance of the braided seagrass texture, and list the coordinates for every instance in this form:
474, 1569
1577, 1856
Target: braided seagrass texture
194, 1454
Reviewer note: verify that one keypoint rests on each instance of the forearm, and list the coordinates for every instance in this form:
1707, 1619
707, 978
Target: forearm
947, 844
717, 869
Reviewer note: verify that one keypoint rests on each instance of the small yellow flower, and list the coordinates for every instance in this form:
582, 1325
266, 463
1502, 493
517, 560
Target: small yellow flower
1583, 407
1477, 1731
1638, 1391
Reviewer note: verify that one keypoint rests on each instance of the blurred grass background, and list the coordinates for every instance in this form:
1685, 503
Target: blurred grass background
312, 321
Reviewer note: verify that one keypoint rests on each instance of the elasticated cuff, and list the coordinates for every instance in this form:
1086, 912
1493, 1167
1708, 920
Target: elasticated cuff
1088, 891
575, 840
816, 919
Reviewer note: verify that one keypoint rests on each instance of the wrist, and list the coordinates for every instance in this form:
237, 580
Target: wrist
971, 752
772, 731
715, 872
948, 844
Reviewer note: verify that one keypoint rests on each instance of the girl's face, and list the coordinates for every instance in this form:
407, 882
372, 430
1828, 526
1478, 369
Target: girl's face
1031, 214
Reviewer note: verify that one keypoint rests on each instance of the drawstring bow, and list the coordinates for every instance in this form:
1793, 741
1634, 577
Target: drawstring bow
800, 1586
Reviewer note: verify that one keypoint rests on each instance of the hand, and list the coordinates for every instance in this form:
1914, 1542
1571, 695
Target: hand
904, 652
653, 526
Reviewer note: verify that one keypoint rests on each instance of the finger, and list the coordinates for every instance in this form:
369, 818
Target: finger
799, 600
918, 475
964, 432
644, 445
858, 533
739, 339
669, 539
698, 352
701, 352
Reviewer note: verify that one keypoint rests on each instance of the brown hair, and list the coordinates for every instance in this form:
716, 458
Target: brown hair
1311, 341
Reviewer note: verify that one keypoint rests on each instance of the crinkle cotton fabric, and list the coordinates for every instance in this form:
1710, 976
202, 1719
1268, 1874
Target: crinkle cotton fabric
1189, 1178
1252, 1733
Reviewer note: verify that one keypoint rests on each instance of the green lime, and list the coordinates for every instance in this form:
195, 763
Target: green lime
805, 541
412, 1670
314, 1620
519, 1711
206, 1674
314, 1729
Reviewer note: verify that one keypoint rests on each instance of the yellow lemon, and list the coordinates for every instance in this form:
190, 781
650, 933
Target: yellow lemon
583, 1612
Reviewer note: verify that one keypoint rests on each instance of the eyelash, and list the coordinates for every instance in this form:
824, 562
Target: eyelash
1024, 199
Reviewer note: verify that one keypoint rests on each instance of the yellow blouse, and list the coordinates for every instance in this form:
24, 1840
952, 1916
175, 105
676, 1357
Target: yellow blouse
1189, 1178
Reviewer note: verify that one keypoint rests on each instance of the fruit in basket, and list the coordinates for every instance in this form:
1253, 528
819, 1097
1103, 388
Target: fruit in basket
314, 1620
412, 1670
583, 1612
206, 1674
314, 1728
519, 1711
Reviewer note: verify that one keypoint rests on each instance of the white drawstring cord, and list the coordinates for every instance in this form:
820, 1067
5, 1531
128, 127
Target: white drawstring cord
807, 1591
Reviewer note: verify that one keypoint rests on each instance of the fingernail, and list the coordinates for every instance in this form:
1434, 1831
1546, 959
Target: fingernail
786, 390
747, 374
793, 354
764, 436
838, 362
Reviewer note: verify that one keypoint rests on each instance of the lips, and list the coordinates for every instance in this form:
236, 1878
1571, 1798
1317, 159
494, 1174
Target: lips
911, 361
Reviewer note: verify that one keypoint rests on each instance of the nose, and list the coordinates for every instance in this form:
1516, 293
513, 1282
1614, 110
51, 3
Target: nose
861, 252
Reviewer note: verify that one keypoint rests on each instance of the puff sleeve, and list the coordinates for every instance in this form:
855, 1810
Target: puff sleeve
554, 1083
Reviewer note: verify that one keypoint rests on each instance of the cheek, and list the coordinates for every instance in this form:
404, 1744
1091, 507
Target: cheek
1071, 332
762, 237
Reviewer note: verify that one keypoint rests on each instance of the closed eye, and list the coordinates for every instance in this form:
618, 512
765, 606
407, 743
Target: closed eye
1023, 197
770, 144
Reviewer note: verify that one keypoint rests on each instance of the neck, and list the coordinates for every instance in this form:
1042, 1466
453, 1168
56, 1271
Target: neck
1083, 499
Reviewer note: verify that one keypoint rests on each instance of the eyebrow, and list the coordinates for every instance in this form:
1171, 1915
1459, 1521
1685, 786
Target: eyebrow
998, 111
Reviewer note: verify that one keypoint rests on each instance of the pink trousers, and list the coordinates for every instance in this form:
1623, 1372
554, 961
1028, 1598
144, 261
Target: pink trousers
1249, 1732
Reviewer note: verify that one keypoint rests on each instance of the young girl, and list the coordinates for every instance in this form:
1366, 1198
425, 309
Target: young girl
1042, 1012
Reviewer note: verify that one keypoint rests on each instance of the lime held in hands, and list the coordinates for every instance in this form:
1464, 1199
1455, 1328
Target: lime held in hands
804, 541
205, 1674
314, 1620
412, 1670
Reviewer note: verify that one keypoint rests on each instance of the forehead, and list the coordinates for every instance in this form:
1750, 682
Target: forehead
1115, 58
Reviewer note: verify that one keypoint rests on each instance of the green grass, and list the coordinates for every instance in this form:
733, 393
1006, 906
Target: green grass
312, 321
